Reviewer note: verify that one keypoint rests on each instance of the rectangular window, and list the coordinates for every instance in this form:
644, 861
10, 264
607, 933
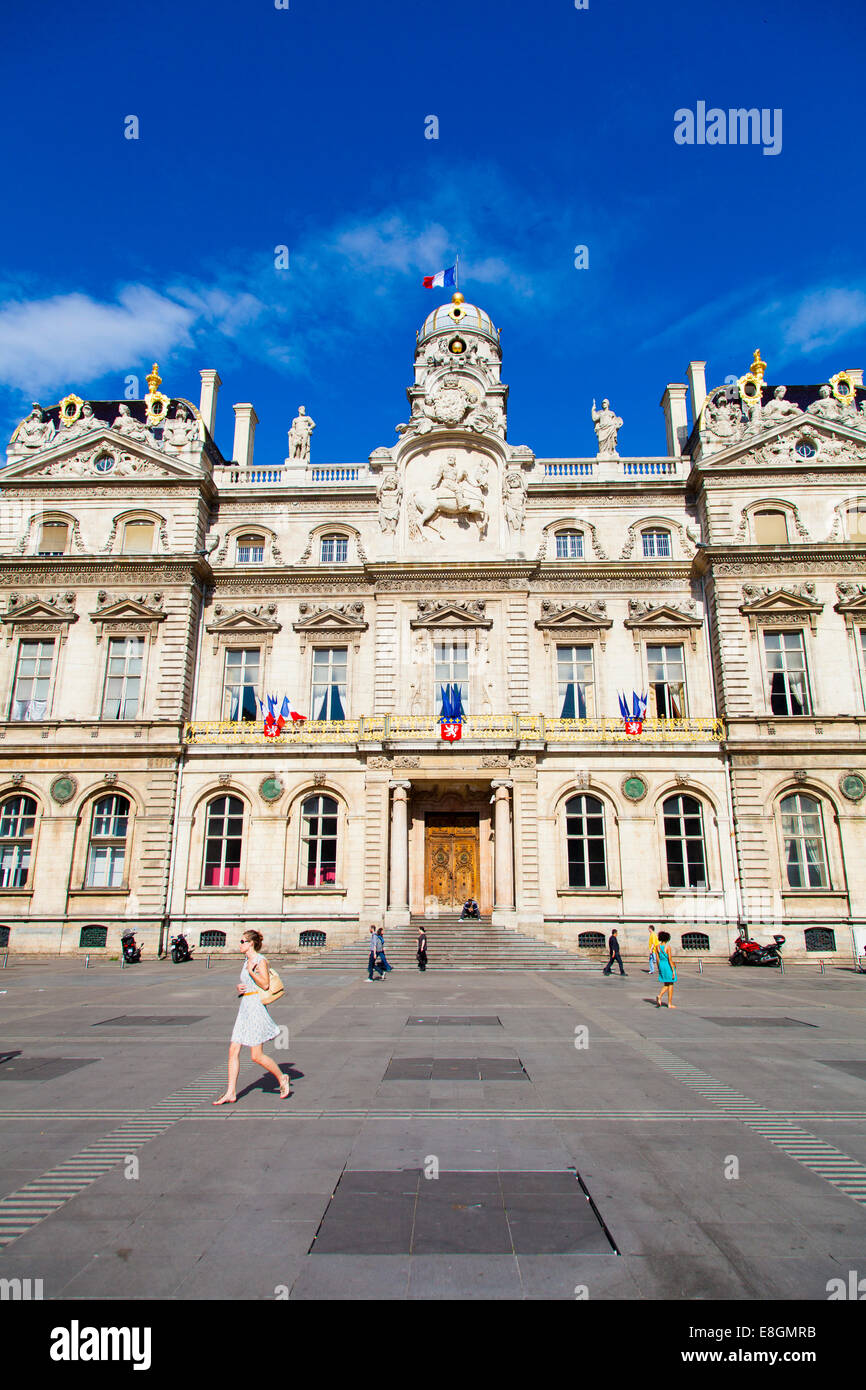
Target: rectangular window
771, 528
330, 668
33, 680
656, 544
451, 667
575, 683
335, 549
786, 672
53, 538
241, 683
863, 662
250, 552
123, 678
138, 538
666, 674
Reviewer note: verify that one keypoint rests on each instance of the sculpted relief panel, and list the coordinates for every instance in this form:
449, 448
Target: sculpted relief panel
452, 495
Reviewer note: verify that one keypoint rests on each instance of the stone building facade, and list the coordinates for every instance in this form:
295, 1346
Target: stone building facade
152, 592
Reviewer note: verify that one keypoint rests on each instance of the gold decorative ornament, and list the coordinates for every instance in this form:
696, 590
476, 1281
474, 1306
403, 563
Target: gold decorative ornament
751, 387
457, 345
157, 403
70, 408
758, 367
457, 311
843, 387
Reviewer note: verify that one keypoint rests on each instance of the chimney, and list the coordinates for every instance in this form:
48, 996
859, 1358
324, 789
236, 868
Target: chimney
245, 431
698, 387
210, 385
856, 375
673, 403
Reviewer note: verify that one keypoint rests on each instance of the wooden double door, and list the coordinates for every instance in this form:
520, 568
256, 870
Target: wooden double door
450, 859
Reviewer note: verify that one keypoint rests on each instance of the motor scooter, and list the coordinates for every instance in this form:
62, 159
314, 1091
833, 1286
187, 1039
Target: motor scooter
180, 949
748, 952
131, 952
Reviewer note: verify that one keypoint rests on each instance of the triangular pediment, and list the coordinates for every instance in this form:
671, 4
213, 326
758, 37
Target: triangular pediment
833, 440
852, 600
38, 610
447, 615
101, 455
244, 622
780, 601
572, 615
665, 615
331, 620
125, 609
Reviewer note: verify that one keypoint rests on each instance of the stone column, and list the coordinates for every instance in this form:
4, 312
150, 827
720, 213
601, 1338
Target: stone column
503, 874
399, 889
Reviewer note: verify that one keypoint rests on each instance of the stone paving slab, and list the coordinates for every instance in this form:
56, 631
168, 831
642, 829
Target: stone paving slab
651, 1154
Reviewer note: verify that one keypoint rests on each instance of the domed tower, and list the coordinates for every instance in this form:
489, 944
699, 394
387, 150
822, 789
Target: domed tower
457, 372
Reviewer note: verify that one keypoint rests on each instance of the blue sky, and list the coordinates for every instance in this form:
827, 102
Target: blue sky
305, 127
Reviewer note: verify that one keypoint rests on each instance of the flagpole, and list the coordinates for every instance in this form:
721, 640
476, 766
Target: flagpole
457, 271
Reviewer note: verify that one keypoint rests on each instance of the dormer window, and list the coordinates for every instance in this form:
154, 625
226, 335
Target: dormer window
335, 550
656, 544
770, 528
250, 550
53, 538
138, 538
569, 545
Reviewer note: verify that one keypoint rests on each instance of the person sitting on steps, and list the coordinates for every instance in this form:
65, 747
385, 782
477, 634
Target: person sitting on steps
470, 909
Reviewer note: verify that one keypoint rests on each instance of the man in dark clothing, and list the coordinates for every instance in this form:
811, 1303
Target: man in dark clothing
613, 947
470, 909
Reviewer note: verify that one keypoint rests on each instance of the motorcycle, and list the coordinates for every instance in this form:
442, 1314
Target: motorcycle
180, 949
748, 952
131, 952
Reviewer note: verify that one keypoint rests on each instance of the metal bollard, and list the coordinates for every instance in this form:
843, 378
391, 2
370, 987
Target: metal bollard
122, 962
5, 959
700, 967
86, 962
207, 967
822, 967
781, 965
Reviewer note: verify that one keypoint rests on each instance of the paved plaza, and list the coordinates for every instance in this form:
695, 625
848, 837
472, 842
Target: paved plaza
461, 1134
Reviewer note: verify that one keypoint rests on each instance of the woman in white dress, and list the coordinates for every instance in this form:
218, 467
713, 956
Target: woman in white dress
254, 1024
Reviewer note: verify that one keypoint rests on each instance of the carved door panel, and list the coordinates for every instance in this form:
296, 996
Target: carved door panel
451, 859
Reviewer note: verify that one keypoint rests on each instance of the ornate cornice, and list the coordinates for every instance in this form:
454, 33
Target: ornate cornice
431, 614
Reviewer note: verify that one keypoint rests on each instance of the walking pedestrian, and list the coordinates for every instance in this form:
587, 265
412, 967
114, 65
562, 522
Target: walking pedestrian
253, 1025
383, 958
613, 948
422, 950
653, 947
667, 970
373, 963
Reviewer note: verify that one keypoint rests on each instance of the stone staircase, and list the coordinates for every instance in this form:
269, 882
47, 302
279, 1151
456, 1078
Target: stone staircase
456, 945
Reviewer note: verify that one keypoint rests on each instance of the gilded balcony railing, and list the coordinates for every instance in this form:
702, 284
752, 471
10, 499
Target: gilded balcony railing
487, 728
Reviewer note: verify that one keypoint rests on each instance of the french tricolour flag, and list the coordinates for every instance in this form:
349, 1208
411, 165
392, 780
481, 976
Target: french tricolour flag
442, 280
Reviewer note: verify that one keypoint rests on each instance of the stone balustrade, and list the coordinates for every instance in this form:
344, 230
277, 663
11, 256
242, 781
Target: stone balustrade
485, 728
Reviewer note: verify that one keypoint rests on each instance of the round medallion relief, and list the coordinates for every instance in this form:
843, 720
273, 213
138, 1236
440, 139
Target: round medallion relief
634, 788
63, 789
853, 786
271, 789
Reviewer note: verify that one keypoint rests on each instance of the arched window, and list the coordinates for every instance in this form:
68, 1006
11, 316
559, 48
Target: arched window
53, 538
803, 838
584, 837
820, 939
318, 842
856, 522
250, 550
770, 527
656, 544
224, 837
211, 939
138, 538
106, 854
695, 941
17, 819
93, 936
335, 550
569, 545
591, 941
312, 938
684, 842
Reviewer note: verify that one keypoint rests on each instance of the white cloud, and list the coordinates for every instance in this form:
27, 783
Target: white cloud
824, 317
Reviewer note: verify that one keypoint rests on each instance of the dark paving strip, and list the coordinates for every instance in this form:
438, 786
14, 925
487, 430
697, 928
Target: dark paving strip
759, 1022
857, 1069
42, 1068
449, 1021
149, 1021
461, 1213
455, 1069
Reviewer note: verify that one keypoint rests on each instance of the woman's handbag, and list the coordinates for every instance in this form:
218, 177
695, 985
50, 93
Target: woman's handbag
275, 990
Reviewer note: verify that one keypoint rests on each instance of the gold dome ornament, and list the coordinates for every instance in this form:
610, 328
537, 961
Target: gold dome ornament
457, 311
758, 367
843, 386
157, 403
752, 384
70, 408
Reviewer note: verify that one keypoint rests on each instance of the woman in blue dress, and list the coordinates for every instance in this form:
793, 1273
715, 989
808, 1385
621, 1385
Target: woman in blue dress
253, 1025
667, 970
